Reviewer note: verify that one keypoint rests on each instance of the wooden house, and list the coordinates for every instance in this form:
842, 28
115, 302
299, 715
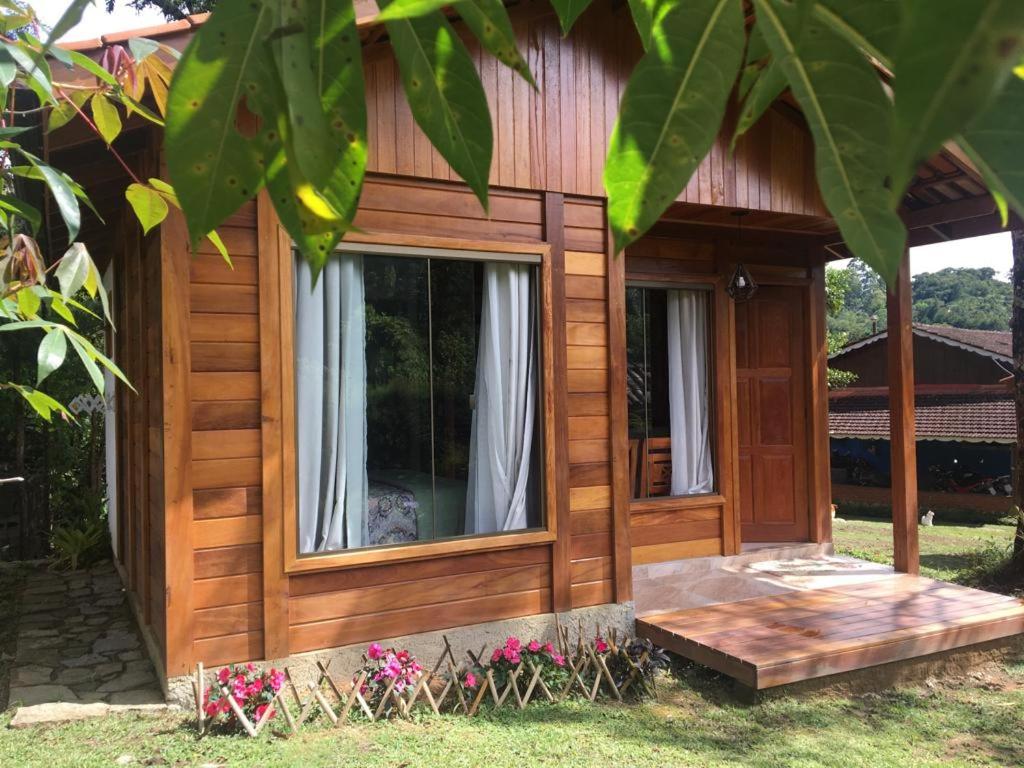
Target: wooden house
227, 545
966, 425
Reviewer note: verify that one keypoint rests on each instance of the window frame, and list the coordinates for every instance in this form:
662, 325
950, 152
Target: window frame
720, 374
424, 247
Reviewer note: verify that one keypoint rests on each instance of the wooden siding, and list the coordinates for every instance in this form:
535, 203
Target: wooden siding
556, 138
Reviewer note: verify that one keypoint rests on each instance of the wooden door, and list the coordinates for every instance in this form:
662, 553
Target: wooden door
772, 400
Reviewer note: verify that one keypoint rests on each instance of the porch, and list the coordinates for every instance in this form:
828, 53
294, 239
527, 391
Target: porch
809, 615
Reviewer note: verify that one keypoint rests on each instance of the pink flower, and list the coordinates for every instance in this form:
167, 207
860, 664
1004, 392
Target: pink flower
224, 675
512, 656
210, 708
549, 647
496, 655
513, 644
416, 667
470, 680
534, 646
558, 659
251, 667
374, 652
600, 645
402, 656
260, 710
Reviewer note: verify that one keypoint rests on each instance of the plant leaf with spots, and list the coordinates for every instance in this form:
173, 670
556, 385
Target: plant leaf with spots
491, 25
850, 117
216, 143
410, 9
994, 140
445, 94
871, 25
671, 111
951, 62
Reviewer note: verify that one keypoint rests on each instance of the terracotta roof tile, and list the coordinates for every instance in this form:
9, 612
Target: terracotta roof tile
969, 417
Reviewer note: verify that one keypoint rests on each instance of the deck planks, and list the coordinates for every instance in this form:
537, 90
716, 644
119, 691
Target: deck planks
768, 641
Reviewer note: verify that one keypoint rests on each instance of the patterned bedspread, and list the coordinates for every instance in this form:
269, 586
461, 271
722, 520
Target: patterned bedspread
391, 517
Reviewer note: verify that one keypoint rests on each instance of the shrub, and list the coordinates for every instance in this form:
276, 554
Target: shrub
252, 689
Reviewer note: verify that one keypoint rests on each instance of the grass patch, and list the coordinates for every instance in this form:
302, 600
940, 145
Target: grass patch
962, 553
695, 722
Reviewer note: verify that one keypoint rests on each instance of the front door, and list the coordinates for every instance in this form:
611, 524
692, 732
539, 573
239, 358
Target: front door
771, 389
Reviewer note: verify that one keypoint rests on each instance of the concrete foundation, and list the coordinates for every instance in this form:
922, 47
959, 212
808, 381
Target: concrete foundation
428, 646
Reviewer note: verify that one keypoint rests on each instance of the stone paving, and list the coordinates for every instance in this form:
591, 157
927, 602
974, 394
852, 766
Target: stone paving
77, 642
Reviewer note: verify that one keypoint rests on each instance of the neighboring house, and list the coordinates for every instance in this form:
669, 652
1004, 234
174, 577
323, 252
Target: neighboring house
266, 509
966, 425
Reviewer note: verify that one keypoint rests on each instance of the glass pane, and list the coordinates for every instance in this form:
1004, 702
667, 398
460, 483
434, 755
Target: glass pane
400, 498
455, 308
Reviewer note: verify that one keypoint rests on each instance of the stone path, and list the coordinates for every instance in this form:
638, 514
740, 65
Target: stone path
77, 642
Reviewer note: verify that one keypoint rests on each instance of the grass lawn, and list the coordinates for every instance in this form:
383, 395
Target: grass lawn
948, 552
696, 722
977, 720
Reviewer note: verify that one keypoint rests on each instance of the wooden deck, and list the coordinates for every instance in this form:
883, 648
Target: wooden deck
769, 641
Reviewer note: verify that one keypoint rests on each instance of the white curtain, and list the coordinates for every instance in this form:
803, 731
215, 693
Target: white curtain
330, 395
688, 392
501, 440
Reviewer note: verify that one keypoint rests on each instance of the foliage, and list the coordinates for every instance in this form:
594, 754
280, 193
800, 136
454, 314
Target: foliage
552, 665
77, 545
248, 82
253, 690
837, 284
642, 654
963, 298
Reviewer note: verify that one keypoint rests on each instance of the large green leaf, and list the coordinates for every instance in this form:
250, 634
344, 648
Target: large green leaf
850, 117
952, 59
671, 111
995, 143
216, 141
50, 355
107, 120
643, 12
766, 88
311, 147
568, 11
409, 9
73, 270
444, 92
489, 21
42, 403
871, 25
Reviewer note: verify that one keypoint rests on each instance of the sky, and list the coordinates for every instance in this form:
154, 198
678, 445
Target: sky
989, 251
96, 21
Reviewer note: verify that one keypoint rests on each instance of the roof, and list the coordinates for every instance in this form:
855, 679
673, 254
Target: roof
986, 417
994, 344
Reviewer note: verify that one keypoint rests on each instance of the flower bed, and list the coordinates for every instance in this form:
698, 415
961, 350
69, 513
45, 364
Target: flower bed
392, 682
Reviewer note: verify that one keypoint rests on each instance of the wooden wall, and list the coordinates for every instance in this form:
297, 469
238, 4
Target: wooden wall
556, 138
934, 363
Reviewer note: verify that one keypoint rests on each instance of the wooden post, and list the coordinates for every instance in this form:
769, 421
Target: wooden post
619, 422
1017, 329
902, 441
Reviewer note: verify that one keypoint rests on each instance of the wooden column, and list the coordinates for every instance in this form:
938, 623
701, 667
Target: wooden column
901, 421
618, 410
820, 481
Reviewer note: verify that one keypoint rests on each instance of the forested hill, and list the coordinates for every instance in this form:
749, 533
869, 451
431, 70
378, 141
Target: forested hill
961, 297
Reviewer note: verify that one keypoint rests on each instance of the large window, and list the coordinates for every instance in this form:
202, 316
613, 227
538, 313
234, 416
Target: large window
418, 401
669, 394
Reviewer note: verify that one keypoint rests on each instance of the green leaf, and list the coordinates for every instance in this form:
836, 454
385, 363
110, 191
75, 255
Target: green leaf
50, 355
73, 270
65, 197
768, 86
489, 21
35, 67
568, 11
643, 12
8, 71
226, 71
107, 120
27, 212
671, 111
42, 403
94, 69
87, 360
142, 47
214, 238
310, 145
444, 92
994, 141
410, 9
871, 25
58, 305
850, 117
952, 60
149, 205
28, 303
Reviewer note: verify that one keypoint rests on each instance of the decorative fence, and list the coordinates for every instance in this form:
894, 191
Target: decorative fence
607, 667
